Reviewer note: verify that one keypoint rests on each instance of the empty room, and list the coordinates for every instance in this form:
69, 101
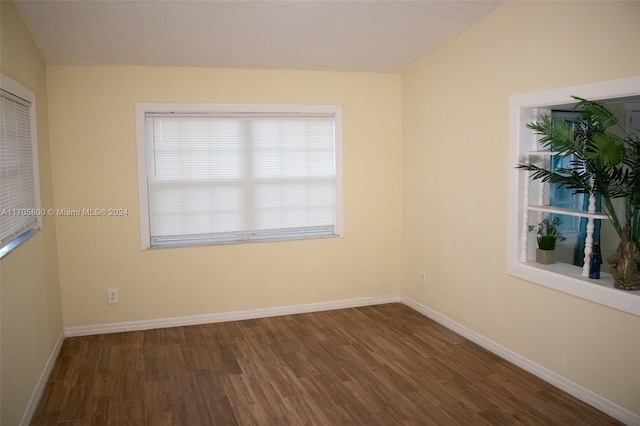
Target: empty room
317, 212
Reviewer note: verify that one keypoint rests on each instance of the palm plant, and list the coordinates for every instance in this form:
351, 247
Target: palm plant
603, 162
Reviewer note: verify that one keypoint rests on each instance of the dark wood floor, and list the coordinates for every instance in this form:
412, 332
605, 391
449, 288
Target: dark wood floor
378, 365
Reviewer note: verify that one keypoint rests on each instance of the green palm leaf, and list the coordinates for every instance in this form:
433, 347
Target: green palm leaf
603, 162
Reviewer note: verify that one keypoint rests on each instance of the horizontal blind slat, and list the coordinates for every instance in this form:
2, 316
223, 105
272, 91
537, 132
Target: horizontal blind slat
239, 175
17, 184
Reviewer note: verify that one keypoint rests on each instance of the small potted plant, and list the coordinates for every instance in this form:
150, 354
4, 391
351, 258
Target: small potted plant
547, 235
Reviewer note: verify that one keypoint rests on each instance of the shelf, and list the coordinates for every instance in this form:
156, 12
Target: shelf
575, 272
568, 212
542, 153
568, 279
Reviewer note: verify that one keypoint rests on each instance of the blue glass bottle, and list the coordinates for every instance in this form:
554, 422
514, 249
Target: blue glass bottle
594, 262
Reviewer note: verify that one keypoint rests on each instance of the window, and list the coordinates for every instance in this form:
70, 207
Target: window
212, 174
524, 194
562, 197
19, 195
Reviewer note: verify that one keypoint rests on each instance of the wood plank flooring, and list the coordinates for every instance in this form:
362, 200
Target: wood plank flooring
377, 365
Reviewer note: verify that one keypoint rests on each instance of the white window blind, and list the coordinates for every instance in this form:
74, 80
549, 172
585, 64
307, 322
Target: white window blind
18, 186
229, 177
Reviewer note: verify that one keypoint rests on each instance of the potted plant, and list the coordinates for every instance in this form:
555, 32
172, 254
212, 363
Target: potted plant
606, 162
547, 236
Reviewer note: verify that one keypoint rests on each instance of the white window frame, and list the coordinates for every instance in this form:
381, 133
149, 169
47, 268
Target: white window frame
18, 90
523, 109
203, 108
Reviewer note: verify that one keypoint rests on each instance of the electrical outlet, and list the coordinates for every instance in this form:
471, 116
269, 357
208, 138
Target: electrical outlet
112, 296
423, 279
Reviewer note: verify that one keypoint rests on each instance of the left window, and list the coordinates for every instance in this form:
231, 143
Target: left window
222, 173
20, 213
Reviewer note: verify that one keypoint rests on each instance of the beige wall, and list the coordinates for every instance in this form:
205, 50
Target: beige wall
94, 166
425, 189
31, 319
455, 110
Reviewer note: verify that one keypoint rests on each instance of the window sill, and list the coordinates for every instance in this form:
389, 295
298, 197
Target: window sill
236, 242
17, 241
568, 279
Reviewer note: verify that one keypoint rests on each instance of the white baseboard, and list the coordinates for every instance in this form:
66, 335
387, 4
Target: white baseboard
36, 396
614, 410
227, 316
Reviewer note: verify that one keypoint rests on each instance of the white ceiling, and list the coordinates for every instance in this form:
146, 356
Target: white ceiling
338, 35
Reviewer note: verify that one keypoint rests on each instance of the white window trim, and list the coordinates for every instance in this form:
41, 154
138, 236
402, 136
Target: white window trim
143, 108
17, 89
565, 278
